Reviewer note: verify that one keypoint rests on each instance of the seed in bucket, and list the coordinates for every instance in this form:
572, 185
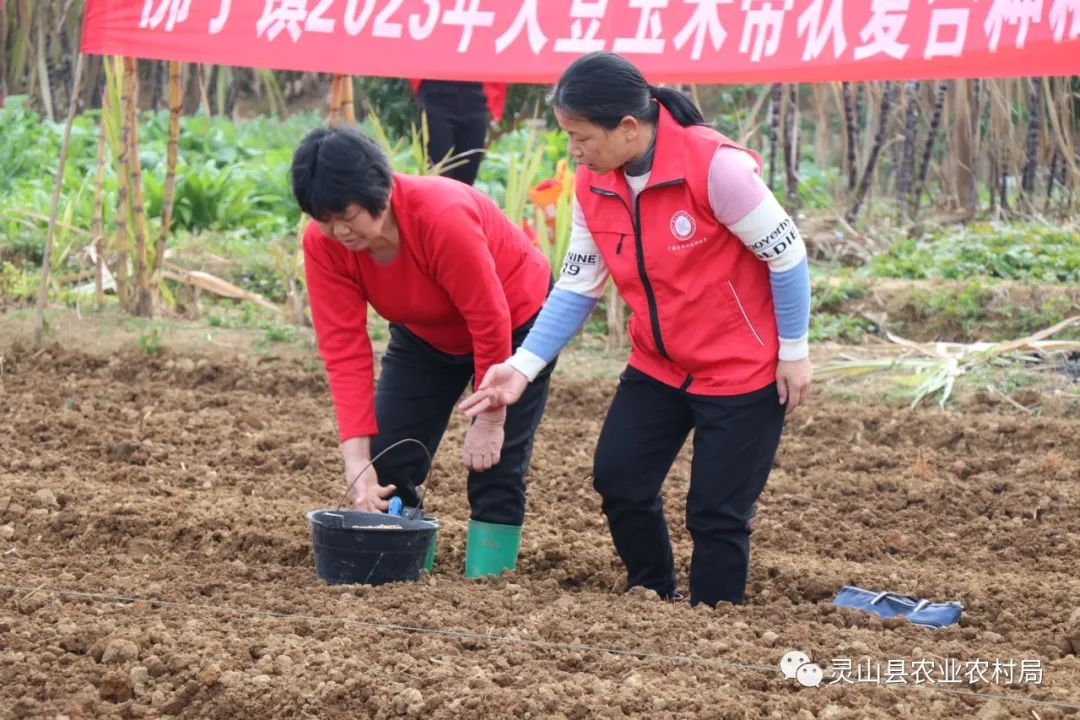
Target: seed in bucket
352, 546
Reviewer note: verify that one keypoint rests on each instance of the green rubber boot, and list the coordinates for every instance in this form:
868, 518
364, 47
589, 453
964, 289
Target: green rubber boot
429, 561
490, 548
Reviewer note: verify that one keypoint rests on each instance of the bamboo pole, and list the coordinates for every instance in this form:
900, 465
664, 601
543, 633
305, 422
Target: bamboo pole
54, 206
616, 317
176, 105
348, 108
335, 101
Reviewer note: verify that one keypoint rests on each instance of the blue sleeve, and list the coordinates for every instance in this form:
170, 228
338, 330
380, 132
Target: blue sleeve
562, 316
791, 300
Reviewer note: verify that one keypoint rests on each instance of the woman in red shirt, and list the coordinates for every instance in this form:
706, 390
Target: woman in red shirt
461, 286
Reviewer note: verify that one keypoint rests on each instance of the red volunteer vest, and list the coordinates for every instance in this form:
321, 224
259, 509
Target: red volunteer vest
703, 316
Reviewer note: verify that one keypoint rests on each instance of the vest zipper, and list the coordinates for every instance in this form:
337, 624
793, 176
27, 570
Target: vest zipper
650, 296
618, 248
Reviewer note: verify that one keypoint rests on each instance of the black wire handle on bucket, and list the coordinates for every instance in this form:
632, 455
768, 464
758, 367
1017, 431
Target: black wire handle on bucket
419, 491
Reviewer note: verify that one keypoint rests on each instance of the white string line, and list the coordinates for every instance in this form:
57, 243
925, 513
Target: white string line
466, 634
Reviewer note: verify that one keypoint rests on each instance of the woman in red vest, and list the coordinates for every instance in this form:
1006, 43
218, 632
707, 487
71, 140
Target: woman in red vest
461, 286
715, 273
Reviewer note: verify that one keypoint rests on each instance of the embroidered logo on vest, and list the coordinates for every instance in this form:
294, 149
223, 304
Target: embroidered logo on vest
683, 226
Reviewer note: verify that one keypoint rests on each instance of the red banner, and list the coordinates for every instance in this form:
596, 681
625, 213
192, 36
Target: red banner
671, 40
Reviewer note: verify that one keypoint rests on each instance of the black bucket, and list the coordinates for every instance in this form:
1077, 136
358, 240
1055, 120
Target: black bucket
369, 548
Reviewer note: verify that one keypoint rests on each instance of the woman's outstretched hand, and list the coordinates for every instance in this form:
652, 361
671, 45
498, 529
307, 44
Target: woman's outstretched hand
502, 385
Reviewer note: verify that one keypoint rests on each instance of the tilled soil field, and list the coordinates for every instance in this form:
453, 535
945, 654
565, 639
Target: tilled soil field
155, 561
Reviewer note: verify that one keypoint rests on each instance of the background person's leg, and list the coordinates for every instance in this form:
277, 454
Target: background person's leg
440, 120
470, 134
735, 441
416, 393
645, 427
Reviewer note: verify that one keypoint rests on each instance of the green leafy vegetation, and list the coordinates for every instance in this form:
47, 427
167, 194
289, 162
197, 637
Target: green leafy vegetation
1021, 251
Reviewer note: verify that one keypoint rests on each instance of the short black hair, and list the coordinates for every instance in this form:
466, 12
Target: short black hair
335, 167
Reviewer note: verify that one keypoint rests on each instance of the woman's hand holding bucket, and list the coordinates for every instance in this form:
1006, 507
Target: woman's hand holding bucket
362, 481
367, 494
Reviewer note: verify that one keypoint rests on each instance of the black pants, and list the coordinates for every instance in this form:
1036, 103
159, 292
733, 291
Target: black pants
457, 119
416, 394
735, 441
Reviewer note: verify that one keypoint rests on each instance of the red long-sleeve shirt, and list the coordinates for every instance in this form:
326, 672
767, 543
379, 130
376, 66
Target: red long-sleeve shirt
463, 278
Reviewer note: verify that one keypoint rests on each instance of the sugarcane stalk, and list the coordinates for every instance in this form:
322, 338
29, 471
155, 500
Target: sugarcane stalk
976, 139
791, 146
1050, 181
774, 129
204, 98
907, 159
3, 53
22, 49
54, 206
123, 191
144, 304
97, 223
43, 68
875, 150
852, 135
1031, 164
860, 96
234, 92
1067, 202
931, 138
1003, 187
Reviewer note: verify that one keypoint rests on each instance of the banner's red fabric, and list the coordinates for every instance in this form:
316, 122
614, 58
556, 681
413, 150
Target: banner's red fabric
671, 40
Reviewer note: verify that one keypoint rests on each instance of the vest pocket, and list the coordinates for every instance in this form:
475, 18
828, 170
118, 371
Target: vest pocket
742, 312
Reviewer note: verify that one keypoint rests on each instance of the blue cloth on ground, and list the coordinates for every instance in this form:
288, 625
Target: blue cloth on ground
887, 604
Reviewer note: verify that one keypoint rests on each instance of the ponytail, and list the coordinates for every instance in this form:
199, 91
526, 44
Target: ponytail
681, 107
603, 88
